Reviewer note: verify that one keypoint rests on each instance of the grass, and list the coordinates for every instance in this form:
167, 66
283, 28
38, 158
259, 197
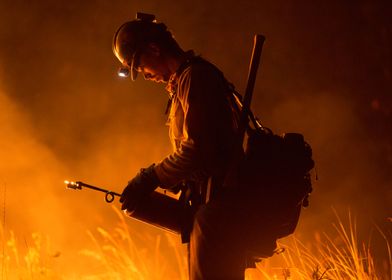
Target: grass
341, 257
122, 257
34, 261
124, 253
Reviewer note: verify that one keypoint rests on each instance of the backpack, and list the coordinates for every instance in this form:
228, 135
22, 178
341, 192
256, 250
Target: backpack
284, 160
275, 171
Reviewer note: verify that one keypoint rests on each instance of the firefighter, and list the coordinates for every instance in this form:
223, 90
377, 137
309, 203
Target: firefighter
203, 129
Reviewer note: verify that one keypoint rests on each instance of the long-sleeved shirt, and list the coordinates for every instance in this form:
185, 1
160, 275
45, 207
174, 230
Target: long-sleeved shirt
202, 124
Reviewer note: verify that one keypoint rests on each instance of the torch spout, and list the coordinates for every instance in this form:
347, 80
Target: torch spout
109, 195
72, 185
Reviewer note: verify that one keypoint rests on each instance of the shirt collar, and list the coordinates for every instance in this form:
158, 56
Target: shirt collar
171, 86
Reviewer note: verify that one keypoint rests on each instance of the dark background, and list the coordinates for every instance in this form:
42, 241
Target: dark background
326, 72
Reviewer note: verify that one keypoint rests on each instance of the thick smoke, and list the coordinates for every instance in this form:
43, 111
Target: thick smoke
325, 72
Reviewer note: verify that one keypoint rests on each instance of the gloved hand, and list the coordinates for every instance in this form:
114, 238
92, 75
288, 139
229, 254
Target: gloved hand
145, 182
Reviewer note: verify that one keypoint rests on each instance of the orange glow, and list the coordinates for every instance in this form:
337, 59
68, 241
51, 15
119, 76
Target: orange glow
71, 185
80, 120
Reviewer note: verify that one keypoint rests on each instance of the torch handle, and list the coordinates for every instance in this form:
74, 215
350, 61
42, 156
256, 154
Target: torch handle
81, 184
109, 195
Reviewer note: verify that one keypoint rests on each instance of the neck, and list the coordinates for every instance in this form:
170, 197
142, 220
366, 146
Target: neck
174, 61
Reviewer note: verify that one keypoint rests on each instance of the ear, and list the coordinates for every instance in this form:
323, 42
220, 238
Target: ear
154, 49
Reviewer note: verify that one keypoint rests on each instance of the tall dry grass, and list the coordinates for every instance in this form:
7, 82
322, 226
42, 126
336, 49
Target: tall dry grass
122, 257
342, 256
29, 259
123, 253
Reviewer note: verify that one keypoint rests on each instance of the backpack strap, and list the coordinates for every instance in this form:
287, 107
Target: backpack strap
237, 101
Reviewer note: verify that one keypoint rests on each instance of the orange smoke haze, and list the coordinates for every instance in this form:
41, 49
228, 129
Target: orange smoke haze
64, 113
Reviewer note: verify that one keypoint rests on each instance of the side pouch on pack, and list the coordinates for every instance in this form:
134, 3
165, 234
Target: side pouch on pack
278, 166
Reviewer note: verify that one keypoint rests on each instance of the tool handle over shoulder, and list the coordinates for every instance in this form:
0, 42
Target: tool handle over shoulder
252, 74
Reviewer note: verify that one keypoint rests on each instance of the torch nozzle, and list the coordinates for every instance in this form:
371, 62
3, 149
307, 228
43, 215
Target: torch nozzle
72, 185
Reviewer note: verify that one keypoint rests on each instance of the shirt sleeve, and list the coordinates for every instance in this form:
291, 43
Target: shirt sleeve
202, 93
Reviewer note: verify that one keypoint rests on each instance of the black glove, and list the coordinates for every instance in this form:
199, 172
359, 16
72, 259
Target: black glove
144, 183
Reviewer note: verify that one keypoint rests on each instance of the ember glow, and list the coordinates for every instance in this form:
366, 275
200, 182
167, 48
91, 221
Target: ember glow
325, 72
71, 185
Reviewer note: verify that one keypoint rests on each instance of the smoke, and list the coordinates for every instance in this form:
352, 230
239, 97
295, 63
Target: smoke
32, 175
349, 171
23, 163
66, 115
30, 183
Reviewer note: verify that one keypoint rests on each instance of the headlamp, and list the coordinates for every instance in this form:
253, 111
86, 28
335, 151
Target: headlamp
123, 72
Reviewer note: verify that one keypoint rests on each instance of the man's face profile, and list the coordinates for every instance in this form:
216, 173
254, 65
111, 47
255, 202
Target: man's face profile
152, 64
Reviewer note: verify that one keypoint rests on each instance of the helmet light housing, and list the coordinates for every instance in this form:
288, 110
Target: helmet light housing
128, 40
123, 72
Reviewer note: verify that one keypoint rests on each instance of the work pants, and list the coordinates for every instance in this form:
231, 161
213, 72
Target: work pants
221, 239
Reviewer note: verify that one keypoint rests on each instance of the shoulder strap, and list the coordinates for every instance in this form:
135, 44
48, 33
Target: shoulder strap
237, 98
